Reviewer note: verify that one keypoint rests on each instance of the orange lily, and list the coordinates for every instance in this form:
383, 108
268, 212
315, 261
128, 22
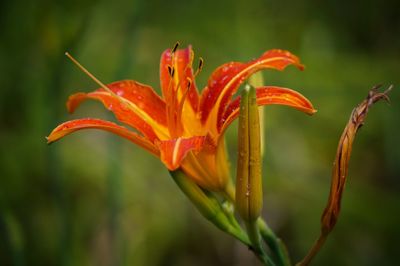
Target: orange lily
184, 128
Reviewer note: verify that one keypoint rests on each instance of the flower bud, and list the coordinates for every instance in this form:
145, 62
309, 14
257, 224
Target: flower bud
248, 179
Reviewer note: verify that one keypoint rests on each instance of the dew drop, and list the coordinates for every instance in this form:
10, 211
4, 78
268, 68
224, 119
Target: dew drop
222, 81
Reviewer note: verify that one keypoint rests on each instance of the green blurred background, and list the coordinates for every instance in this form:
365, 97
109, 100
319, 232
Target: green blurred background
96, 199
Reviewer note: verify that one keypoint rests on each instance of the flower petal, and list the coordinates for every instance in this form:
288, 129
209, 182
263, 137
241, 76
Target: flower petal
174, 151
270, 95
181, 61
134, 104
88, 123
226, 79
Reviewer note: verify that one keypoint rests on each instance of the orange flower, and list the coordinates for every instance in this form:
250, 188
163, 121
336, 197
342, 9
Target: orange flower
184, 128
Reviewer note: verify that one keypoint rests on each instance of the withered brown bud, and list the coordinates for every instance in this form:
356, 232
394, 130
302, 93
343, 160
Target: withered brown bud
341, 166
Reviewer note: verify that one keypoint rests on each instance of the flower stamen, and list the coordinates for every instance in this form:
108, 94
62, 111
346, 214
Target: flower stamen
176, 96
171, 71
175, 47
101, 84
184, 96
199, 67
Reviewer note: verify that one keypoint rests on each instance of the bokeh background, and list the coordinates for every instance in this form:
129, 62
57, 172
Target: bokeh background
95, 199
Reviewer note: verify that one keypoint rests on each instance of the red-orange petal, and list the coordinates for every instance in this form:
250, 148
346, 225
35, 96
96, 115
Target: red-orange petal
140, 94
183, 71
270, 95
227, 78
148, 116
92, 123
174, 151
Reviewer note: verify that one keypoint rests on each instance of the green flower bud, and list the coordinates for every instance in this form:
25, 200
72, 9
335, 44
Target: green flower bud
249, 197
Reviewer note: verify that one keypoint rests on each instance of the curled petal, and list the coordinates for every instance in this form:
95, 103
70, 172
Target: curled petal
270, 95
91, 123
174, 151
226, 79
134, 104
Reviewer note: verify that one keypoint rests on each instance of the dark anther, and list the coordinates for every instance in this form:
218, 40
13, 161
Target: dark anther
189, 83
171, 70
175, 47
201, 63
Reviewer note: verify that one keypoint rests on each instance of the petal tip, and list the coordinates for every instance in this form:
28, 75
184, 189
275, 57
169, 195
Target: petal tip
48, 140
75, 100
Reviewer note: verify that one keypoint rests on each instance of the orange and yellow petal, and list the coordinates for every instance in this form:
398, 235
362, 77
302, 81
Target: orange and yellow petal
181, 62
270, 95
209, 168
92, 123
132, 103
146, 99
226, 79
174, 151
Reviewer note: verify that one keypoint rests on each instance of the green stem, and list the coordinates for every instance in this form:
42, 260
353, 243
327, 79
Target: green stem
209, 207
254, 235
240, 235
276, 246
229, 210
274, 243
